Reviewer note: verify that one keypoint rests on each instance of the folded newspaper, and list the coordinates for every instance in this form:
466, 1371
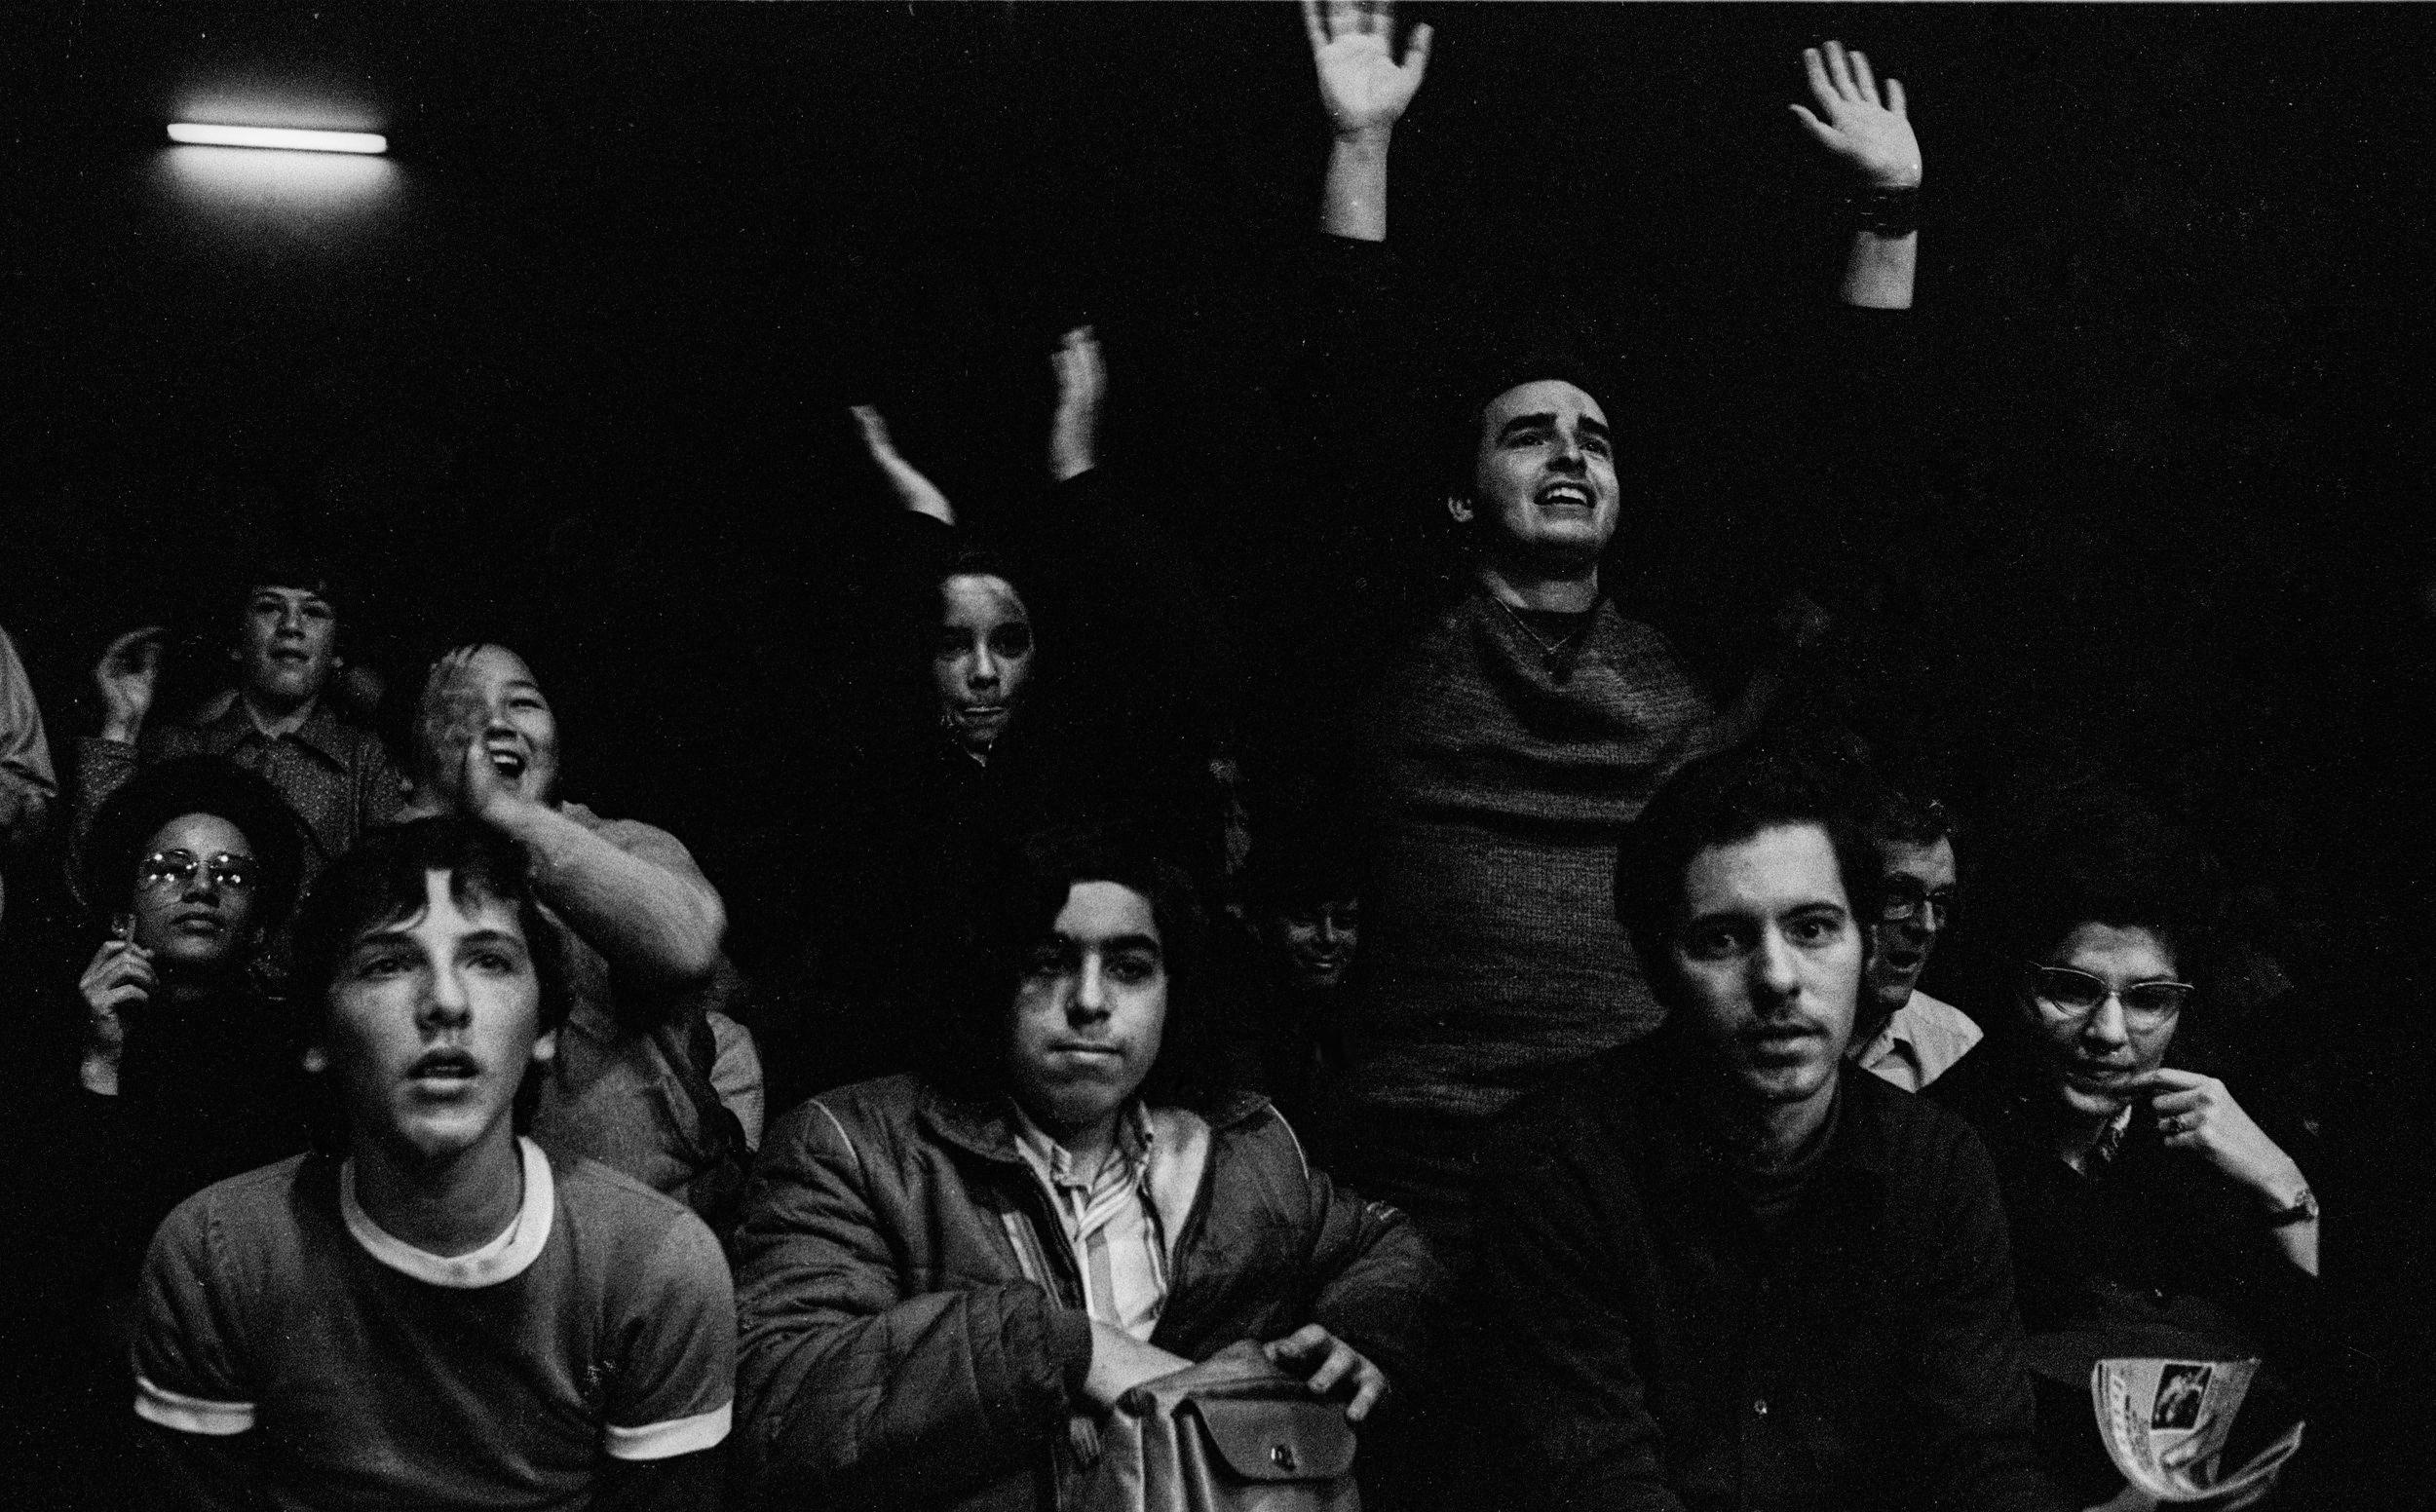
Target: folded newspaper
2165, 1422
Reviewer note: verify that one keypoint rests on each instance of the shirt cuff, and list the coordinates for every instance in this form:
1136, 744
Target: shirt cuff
191, 1414
674, 1437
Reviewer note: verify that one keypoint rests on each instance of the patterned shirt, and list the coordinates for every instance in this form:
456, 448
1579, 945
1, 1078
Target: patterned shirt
338, 778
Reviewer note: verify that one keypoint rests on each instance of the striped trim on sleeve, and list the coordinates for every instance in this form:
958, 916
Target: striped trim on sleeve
192, 1414
674, 1437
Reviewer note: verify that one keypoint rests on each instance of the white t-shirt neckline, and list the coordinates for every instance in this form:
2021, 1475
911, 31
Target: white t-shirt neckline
502, 1258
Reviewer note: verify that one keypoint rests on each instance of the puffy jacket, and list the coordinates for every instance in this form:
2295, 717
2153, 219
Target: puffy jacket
893, 1353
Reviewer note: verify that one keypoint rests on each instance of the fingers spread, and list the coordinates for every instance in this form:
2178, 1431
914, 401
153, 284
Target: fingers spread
1417, 53
1861, 76
1311, 26
1816, 127
1894, 95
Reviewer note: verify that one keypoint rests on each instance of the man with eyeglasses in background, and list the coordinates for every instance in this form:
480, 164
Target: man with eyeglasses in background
1905, 1037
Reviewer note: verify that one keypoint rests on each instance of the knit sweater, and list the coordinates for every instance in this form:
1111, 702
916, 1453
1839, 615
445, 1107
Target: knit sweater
1500, 778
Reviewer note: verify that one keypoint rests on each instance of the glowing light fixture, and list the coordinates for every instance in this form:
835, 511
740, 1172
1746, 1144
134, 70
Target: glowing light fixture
287, 137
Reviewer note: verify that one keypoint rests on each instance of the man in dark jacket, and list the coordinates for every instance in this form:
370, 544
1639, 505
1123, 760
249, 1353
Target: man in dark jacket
945, 1278
1720, 1268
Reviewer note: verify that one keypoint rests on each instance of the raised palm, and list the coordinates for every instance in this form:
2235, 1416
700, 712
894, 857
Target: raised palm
1353, 47
1872, 134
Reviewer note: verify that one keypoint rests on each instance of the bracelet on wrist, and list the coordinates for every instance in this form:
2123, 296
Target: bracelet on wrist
1883, 212
2303, 1209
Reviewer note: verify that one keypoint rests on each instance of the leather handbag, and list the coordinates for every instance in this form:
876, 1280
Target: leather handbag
1232, 1434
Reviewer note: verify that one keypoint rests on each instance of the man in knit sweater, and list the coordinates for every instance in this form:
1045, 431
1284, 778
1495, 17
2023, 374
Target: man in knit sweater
1510, 743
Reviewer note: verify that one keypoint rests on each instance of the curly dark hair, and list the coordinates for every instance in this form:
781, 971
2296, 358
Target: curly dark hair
1028, 888
2096, 855
195, 784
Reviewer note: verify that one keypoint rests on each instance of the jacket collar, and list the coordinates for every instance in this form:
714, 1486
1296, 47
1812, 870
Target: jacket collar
986, 1126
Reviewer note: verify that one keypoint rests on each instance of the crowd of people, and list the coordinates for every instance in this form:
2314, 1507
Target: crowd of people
1527, 1057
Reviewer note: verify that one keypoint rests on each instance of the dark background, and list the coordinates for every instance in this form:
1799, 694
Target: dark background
576, 370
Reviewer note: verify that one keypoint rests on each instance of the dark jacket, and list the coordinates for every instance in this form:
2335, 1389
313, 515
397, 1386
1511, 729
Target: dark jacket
893, 1353
1646, 1346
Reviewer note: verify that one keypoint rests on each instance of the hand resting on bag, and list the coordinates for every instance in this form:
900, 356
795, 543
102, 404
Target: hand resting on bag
1332, 1368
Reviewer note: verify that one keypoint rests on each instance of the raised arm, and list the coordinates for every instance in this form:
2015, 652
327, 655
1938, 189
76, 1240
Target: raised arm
1082, 389
645, 906
1365, 89
1870, 133
914, 491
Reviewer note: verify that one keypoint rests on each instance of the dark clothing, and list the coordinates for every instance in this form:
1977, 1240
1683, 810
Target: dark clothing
206, 1090
336, 777
1105, 732
893, 1353
1647, 1344
2150, 1237
1499, 756
1495, 789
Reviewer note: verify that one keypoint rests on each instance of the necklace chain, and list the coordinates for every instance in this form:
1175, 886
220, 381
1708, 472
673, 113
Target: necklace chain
1551, 652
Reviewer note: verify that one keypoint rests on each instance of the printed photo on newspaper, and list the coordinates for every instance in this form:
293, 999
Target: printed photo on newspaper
2165, 1422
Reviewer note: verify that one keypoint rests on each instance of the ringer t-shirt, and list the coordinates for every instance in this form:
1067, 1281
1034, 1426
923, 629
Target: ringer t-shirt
370, 1374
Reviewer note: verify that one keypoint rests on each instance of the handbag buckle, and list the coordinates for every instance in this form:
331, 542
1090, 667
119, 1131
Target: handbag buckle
1282, 1456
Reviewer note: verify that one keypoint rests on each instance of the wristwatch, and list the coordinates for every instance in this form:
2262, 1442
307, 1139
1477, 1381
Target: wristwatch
2304, 1209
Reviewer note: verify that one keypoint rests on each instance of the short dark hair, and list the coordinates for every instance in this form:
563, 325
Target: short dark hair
1029, 888
1722, 800
284, 567
195, 784
2097, 855
380, 882
1504, 360
1901, 816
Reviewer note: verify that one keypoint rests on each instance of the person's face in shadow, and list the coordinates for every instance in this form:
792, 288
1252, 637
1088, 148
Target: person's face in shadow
1317, 939
981, 659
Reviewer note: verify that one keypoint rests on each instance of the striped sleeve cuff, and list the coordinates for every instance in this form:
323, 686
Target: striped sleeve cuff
667, 1440
197, 1415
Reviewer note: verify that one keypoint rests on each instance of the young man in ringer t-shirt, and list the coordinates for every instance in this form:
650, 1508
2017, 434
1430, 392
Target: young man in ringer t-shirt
446, 1316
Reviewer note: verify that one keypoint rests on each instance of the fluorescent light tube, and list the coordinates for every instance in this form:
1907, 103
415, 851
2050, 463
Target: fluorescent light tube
287, 137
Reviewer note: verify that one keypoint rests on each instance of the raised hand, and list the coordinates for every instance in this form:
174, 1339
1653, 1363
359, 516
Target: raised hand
1365, 89
126, 675
2198, 1114
119, 977
1331, 1368
1872, 135
1081, 387
914, 491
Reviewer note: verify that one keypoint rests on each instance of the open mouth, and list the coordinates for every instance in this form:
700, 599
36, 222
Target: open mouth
1565, 496
508, 764
443, 1067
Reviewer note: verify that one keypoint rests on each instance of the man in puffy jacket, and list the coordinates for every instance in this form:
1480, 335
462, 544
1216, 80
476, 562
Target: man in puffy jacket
945, 1278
